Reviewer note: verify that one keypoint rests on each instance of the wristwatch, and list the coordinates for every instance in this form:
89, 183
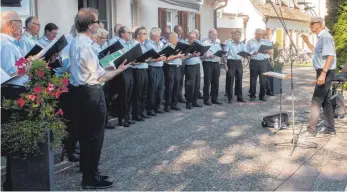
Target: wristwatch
325, 70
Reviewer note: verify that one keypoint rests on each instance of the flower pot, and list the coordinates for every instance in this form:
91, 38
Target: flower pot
36, 173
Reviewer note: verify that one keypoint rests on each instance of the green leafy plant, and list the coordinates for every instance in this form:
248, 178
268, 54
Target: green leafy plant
278, 56
34, 112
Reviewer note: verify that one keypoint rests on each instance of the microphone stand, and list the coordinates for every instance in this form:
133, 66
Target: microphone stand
295, 140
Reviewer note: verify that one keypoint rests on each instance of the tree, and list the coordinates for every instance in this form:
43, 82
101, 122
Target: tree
337, 22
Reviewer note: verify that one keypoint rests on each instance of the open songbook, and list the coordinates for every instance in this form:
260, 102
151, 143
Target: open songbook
277, 75
52, 48
34, 51
5, 77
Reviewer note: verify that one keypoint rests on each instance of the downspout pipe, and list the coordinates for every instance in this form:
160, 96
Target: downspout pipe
215, 13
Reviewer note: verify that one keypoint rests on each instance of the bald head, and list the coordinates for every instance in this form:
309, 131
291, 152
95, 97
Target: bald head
258, 34
191, 37
11, 24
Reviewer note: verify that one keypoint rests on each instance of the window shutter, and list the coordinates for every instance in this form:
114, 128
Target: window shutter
183, 22
162, 20
197, 21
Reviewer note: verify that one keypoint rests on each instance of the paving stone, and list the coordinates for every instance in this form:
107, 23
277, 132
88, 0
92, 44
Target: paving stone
298, 183
307, 171
335, 174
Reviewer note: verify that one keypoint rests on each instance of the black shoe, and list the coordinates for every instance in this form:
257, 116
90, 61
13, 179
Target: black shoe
175, 108
270, 94
102, 177
145, 116
131, 122
97, 183
229, 101
73, 157
252, 99
158, 111
200, 96
120, 122
166, 109
196, 105
109, 126
262, 99
189, 106
126, 124
138, 118
241, 101
208, 103
328, 132
181, 100
217, 102
151, 113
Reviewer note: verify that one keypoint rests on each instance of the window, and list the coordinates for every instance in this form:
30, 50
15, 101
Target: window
290, 3
100, 5
24, 11
171, 19
191, 22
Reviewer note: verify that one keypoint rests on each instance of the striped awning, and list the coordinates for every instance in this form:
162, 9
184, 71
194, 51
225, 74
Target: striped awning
192, 4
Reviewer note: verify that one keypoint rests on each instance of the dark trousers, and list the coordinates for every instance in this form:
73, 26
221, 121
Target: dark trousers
9, 92
140, 77
66, 103
106, 88
192, 82
89, 115
180, 94
322, 98
172, 82
257, 69
123, 85
211, 78
269, 80
155, 88
227, 83
235, 72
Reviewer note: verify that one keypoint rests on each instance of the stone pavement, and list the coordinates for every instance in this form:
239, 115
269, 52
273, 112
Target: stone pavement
220, 148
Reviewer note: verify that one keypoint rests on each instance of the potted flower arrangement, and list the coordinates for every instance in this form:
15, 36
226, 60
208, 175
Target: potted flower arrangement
35, 127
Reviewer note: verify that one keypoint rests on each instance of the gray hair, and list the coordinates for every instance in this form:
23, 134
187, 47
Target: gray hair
6, 17
100, 32
318, 20
196, 31
173, 34
155, 31
259, 31
191, 33
210, 31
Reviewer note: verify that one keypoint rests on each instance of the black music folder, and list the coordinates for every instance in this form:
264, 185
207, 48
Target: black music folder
112, 48
53, 48
130, 55
198, 48
167, 51
34, 51
183, 47
149, 54
262, 48
220, 53
244, 54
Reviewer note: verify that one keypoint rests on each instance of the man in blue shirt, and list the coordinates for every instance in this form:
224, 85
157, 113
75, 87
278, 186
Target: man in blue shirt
192, 72
211, 69
258, 66
324, 62
178, 30
140, 74
51, 31
28, 40
155, 75
172, 72
233, 66
122, 85
165, 35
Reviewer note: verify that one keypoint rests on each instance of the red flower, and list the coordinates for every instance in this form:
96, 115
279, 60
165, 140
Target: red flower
50, 87
57, 94
21, 102
65, 89
38, 101
21, 70
20, 62
40, 73
32, 97
37, 89
59, 112
65, 81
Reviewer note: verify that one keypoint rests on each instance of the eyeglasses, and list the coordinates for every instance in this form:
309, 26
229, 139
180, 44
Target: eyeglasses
37, 24
142, 33
312, 23
98, 22
19, 21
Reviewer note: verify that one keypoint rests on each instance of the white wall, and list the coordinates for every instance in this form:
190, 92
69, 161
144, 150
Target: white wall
291, 25
123, 12
60, 12
206, 19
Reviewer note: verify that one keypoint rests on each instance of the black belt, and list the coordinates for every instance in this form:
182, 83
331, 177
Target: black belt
88, 86
172, 65
155, 66
13, 86
322, 70
140, 68
234, 60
